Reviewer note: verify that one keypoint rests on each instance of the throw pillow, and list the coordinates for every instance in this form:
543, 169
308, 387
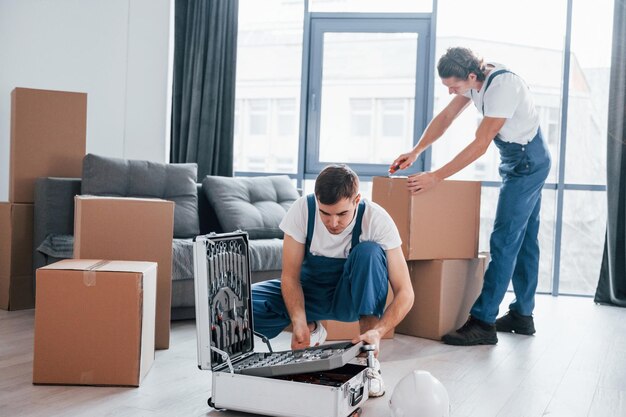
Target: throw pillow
115, 177
256, 205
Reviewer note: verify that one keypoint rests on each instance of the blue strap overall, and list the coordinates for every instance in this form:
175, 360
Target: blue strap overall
334, 288
514, 246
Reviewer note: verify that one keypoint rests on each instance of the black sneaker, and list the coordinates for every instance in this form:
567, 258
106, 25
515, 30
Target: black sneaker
514, 322
473, 332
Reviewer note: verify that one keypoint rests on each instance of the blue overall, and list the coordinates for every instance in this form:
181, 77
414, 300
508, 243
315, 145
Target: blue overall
513, 244
334, 288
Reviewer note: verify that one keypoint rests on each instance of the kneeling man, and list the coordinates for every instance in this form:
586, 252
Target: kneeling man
340, 252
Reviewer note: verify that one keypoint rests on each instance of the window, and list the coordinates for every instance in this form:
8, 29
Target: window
589, 92
361, 117
286, 118
393, 114
269, 63
584, 226
258, 113
256, 163
362, 6
365, 103
237, 129
579, 219
367, 99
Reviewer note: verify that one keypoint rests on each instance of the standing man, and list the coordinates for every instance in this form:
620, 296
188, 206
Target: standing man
511, 121
340, 253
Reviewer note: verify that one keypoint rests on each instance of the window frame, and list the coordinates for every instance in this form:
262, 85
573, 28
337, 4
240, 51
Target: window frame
320, 23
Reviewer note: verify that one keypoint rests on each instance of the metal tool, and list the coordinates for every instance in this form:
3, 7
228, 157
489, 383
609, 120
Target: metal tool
370, 349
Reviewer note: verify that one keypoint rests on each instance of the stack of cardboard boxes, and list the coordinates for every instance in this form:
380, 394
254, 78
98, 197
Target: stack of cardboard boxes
48, 131
130, 229
439, 230
94, 319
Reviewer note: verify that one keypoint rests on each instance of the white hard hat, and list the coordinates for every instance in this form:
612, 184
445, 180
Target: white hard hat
419, 394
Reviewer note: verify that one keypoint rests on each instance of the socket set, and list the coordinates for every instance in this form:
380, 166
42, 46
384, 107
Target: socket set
228, 292
319, 358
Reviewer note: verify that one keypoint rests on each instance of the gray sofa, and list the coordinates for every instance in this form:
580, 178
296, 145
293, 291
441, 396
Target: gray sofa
254, 204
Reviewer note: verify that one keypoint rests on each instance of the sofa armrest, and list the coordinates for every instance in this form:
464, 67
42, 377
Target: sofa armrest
54, 211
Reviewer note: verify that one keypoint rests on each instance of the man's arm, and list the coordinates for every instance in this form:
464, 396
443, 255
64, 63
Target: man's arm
293, 255
435, 129
487, 130
402, 297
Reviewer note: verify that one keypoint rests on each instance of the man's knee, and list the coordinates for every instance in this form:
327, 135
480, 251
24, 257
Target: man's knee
368, 250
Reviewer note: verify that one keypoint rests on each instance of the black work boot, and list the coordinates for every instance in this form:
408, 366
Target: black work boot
514, 322
473, 332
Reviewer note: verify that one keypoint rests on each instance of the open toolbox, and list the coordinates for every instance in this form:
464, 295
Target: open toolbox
321, 381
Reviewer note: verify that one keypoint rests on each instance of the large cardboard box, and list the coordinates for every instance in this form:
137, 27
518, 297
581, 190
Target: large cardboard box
94, 322
132, 229
16, 256
48, 132
445, 290
341, 330
441, 223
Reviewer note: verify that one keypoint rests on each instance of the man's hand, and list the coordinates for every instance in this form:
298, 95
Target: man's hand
418, 183
370, 337
402, 162
301, 336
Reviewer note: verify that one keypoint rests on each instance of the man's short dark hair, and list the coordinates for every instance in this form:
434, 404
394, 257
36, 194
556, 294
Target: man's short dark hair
335, 183
460, 62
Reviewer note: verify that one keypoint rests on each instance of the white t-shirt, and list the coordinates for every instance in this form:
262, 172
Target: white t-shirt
508, 97
376, 226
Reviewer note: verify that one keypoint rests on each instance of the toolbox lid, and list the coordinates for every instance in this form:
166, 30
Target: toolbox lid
223, 298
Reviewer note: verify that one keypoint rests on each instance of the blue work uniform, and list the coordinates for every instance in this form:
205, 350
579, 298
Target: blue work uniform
334, 288
514, 246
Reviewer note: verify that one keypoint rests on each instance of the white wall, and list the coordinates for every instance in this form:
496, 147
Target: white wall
117, 51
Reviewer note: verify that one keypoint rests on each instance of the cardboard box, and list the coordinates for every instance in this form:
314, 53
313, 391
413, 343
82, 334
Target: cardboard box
48, 132
442, 223
131, 229
445, 290
16, 256
94, 322
341, 330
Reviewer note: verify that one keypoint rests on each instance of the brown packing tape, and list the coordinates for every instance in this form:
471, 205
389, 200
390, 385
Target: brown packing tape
89, 275
99, 265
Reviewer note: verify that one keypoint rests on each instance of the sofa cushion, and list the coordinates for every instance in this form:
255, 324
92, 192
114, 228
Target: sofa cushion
115, 177
252, 204
266, 255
